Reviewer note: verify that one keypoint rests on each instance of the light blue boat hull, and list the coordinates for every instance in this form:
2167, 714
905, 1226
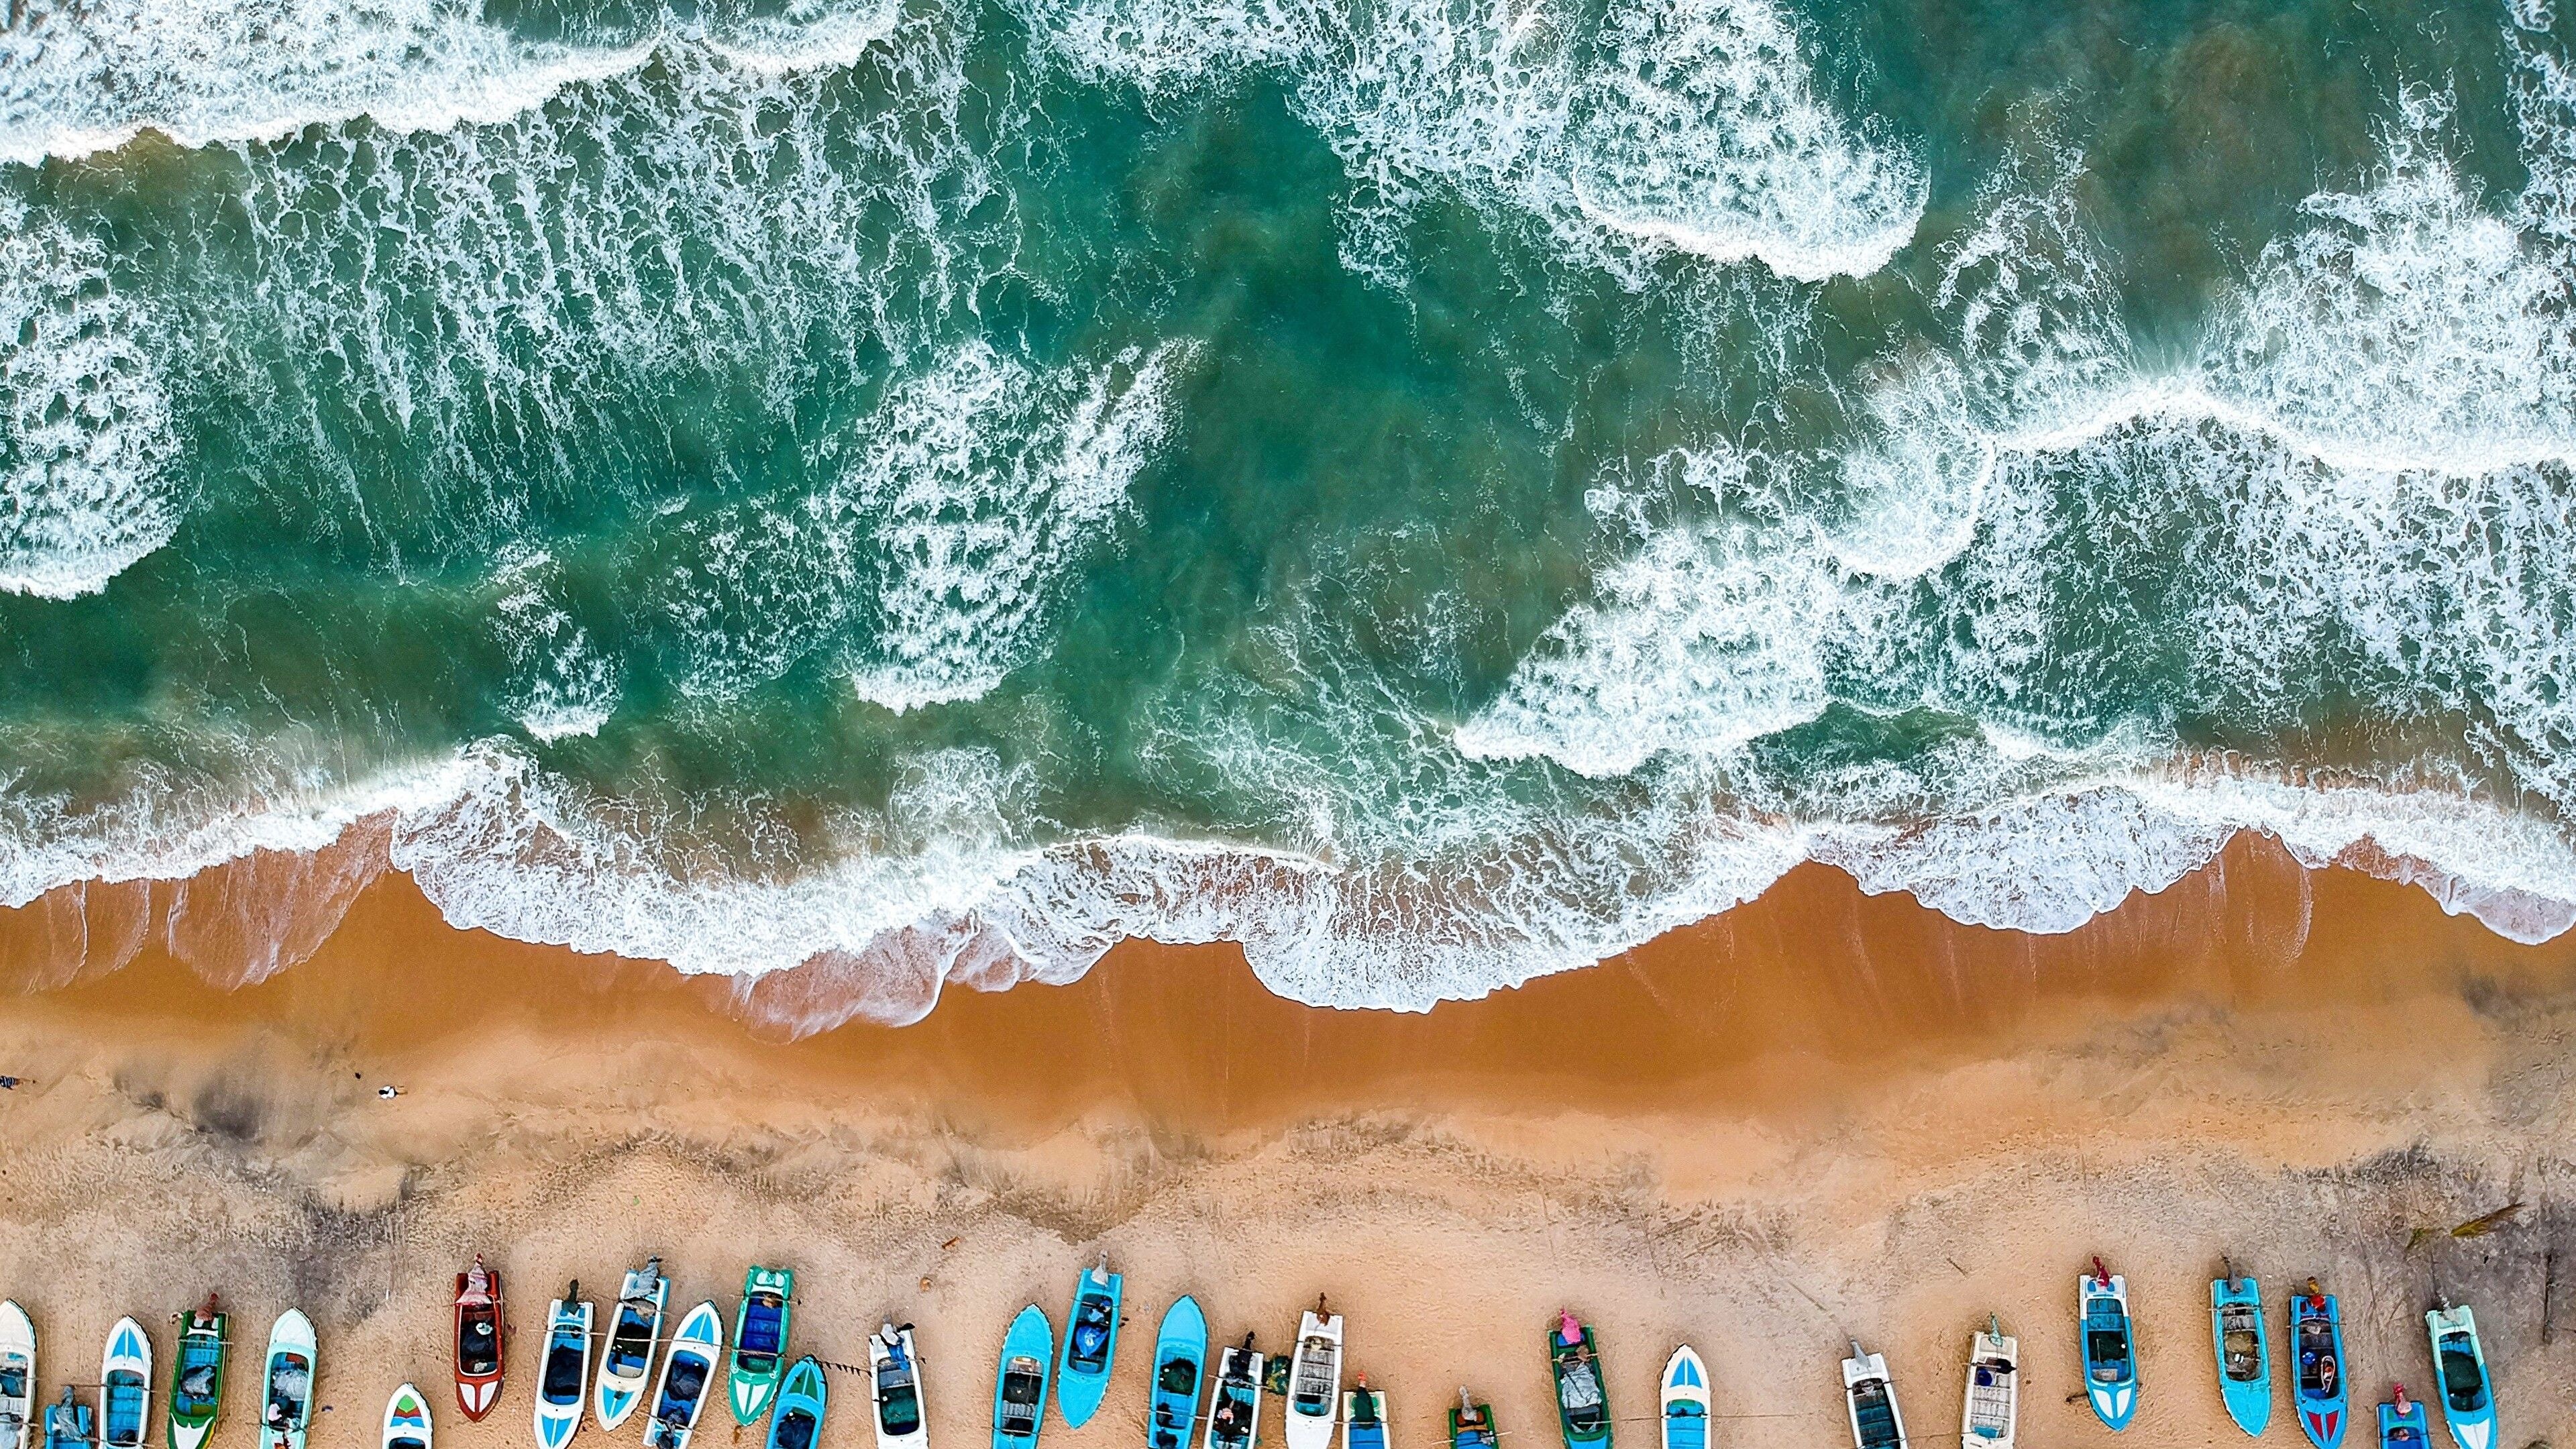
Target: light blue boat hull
802, 1397
1031, 1336
1079, 1388
2248, 1403
2115, 1402
2472, 1425
2408, 1430
1182, 1338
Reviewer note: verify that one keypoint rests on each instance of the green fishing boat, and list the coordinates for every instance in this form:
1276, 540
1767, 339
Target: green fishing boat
1582, 1401
197, 1375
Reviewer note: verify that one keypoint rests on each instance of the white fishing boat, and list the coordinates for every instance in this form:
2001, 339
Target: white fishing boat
687, 1372
1870, 1395
1234, 1409
634, 1331
563, 1376
894, 1389
1990, 1415
1315, 1379
17, 1377
1686, 1400
407, 1420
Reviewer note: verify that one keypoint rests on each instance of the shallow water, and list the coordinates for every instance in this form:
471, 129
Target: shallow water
1437, 490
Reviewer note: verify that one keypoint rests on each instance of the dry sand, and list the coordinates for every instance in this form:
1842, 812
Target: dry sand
1823, 1115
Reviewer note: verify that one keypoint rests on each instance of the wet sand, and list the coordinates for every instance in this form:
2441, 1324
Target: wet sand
1820, 1116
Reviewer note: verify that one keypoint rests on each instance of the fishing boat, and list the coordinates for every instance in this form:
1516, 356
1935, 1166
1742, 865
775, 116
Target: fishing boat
197, 1375
2244, 1349
67, 1423
1990, 1411
407, 1420
1471, 1424
1234, 1409
688, 1371
1870, 1396
2110, 1352
1315, 1379
1020, 1380
759, 1341
1180, 1360
1582, 1401
17, 1376
798, 1420
563, 1379
1363, 1416
125, 1387
479, 1331
2460, 1363
2401, 1423
634, 1331
894, 1388
1090, 1345
2316, 1339
1685, 1400
287, 1382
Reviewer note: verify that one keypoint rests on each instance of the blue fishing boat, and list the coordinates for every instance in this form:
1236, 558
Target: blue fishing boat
1180, 1360
2244, 1349
2110, 1350
796, 1414
67, 1423
2316, 1338
1020, 1384
1090, 1346
2401, 1423
2468, 1397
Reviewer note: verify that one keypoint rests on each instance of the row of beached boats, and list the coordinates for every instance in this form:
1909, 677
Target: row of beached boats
122, 1418
2320, 1396
646, 1358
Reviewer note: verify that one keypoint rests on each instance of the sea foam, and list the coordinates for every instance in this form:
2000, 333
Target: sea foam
86, 438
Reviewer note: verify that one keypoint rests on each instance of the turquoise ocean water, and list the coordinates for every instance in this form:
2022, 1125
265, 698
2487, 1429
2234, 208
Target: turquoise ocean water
1436, 490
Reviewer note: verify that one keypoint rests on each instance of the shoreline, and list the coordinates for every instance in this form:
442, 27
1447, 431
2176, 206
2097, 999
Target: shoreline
1822, 1114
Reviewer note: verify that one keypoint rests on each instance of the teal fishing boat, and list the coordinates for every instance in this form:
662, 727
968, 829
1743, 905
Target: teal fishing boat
2244, 1348
1180, 1361
1090, 1345
1020, 1383
759, 1340
1582, 1399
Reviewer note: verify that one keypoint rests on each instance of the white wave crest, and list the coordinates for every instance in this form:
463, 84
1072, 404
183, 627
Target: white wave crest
79, 78
1688, 125
86, 436
948, 884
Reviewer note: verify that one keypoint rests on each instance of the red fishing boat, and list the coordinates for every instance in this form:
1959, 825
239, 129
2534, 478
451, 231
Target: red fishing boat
479, 1331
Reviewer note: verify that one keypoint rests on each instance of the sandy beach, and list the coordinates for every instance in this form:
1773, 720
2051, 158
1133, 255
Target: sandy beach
1824, 1115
